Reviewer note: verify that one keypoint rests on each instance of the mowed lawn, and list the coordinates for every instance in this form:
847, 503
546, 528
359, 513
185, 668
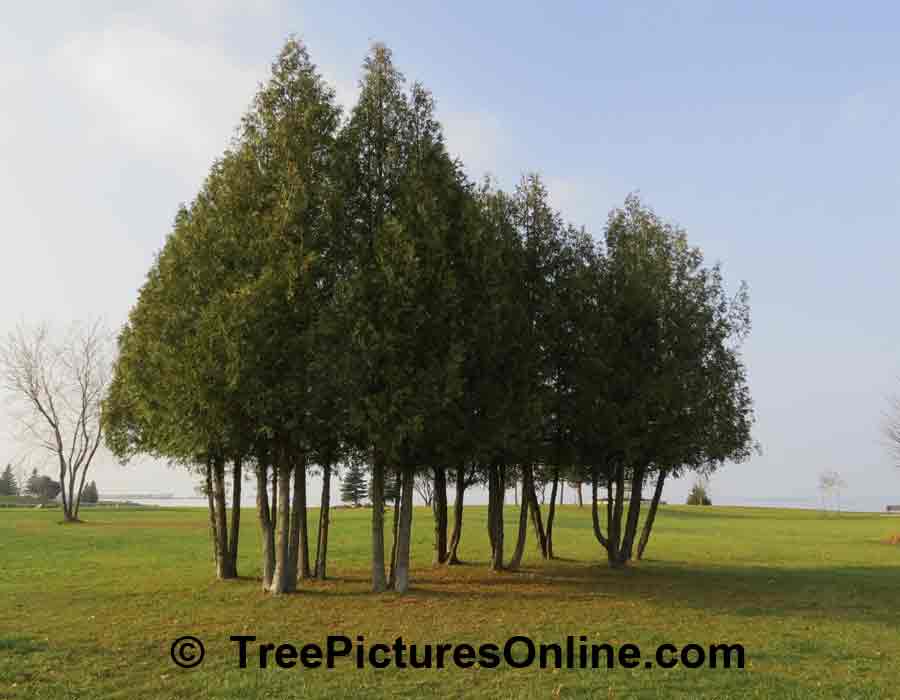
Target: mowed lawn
90, 610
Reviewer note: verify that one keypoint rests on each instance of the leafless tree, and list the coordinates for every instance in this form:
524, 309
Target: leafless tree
425, 489
830, 485
891, 427
56, 386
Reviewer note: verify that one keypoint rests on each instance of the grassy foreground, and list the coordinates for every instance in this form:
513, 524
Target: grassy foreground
90, 610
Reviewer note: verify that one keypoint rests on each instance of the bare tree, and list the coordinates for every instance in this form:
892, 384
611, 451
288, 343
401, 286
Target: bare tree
57, 388
425, 488
830, 485
891, 427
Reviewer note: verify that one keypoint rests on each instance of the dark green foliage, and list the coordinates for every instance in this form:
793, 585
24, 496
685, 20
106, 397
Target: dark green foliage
90, 493
353, 484
8, 484
42, 487
339, 291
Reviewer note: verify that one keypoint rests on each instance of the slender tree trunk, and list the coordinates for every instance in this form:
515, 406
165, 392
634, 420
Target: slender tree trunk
223, 563
299, 524
615, 496
580, 498
496, 487
651, 514
283, 581
492, 506
516, 560
401, 584
456, 535
79, 493
266, 526
236, 479
551, 512
395, 531
634, 512
378, 579
294, 533
67, 516
534, 508
274, 509
439, 509
214, 538
70, 502
595, 514
324, 513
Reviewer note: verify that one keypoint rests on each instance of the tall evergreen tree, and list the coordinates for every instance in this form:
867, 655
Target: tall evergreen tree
8, 484
91, 495
353, 484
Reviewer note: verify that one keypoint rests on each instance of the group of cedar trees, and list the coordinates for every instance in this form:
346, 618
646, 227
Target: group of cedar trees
339, 292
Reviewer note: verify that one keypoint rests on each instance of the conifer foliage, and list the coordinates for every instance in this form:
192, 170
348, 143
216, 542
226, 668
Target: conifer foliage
340, 294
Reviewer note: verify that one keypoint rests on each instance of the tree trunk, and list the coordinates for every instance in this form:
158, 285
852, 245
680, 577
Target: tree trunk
580, 498
492, 506
456, 535
634, 512
537, 520
299, 524
615, 489
236, 479
516, 560
439, 509
595, 514
651, 514
70, 502
79, 493
223, 562
283, 581
395, 532
551, 512
496, 486
324, 512
212, 515
274, 509
378, 580
401, 584
294, 531
67, 513
266, 526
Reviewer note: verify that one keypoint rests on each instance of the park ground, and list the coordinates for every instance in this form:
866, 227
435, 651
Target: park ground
91, 610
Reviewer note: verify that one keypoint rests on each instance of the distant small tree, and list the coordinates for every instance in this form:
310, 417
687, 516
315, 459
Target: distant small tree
8, 484
32, 485
42, 487
425, 488
830, 485
353, 484
57, 386
90, 495
699, 495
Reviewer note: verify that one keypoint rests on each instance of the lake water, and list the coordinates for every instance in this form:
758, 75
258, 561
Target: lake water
848, 504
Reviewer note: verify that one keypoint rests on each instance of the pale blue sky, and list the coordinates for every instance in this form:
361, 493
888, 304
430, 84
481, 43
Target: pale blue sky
768, 130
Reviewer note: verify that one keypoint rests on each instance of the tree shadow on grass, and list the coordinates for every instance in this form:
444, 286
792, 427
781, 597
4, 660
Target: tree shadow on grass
851, 594
22, 645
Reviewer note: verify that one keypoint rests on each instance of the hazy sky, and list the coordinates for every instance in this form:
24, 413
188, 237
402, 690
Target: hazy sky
768, 130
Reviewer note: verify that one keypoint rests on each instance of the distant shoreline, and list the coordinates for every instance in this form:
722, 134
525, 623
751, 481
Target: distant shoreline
789, 504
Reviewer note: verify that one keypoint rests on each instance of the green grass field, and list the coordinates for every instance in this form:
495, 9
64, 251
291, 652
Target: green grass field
90, 610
